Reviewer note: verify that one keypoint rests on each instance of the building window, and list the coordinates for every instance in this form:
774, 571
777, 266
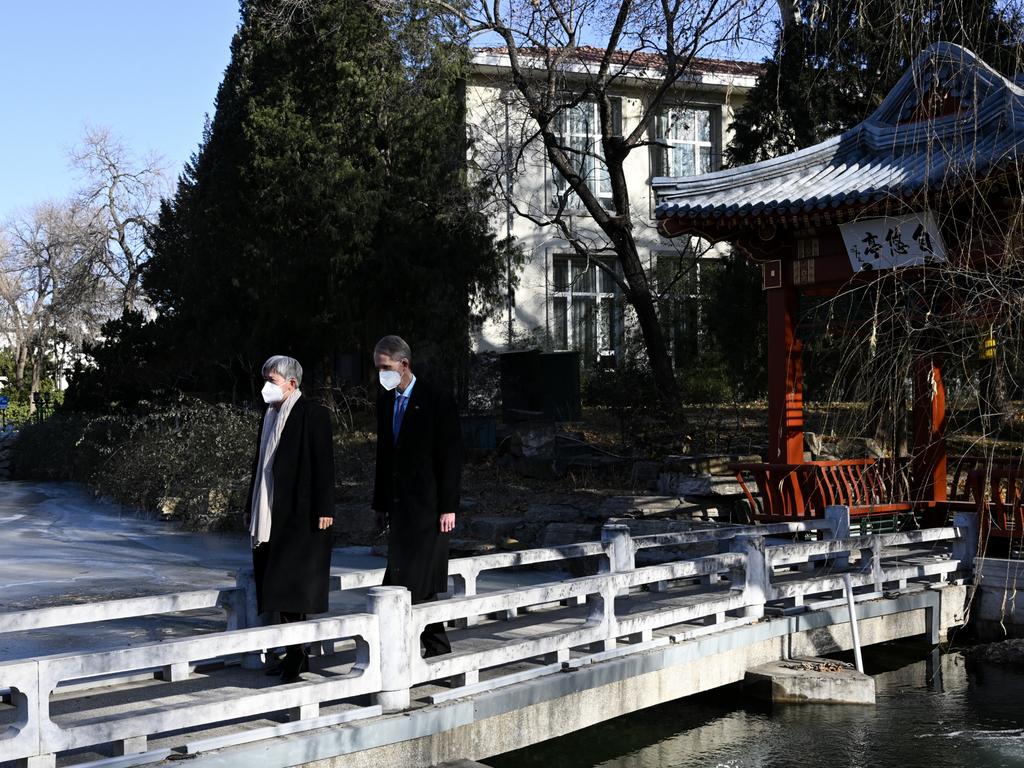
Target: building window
685, 142
579, 132
682, 281
586, 315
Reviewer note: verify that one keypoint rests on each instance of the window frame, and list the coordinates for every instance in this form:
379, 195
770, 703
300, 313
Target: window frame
591, 151
662, 144
608, 330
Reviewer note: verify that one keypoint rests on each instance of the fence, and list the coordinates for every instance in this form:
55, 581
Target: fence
623, 604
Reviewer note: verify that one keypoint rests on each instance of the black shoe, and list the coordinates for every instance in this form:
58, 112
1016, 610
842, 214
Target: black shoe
274, 667
291, 670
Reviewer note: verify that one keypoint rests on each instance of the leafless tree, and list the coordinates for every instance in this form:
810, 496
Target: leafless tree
123, 192
650, 44
52, 292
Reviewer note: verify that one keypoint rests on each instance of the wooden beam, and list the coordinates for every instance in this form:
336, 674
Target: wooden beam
929, 462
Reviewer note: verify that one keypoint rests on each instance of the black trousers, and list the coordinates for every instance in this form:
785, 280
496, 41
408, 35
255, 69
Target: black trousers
295, 654
434, 637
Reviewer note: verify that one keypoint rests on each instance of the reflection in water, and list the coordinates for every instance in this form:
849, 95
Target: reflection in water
939, 711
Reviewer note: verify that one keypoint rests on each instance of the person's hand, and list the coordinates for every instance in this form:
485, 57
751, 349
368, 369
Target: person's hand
447, 522
326, 522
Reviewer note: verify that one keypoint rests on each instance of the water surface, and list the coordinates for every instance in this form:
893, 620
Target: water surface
940, 712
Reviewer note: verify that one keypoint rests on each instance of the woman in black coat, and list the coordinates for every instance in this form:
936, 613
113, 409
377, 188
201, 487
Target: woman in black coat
292, 538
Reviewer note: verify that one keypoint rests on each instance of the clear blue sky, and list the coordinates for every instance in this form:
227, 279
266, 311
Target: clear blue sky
147, 69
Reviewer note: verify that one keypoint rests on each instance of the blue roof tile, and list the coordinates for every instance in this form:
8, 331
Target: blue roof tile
892, 154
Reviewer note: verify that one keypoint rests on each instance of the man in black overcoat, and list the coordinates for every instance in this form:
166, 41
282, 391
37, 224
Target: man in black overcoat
291, 506
418, 474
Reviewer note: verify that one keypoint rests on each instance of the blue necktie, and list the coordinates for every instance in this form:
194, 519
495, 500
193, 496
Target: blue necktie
396, 425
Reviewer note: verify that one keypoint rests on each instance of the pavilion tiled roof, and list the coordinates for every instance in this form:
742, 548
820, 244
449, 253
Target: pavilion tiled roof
894, 155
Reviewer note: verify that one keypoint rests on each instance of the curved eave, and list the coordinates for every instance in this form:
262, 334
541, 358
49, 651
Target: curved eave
715, 225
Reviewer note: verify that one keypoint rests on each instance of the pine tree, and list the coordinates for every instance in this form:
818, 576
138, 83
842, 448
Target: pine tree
326, 204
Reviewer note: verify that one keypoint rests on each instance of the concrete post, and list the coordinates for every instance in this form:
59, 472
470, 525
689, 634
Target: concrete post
244, 612
757, 580
393, 608
838, 518
965, 545
871, 562
464, 585
619, 546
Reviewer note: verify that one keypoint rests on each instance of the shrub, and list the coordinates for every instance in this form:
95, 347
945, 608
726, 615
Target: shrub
190, 460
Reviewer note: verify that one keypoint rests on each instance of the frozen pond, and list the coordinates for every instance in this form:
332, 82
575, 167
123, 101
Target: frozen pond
59, 545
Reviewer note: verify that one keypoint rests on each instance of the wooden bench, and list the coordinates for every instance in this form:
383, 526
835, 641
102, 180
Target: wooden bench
997, 492
871, 488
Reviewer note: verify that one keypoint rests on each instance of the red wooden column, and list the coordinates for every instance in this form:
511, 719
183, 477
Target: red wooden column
785, 368
929, 463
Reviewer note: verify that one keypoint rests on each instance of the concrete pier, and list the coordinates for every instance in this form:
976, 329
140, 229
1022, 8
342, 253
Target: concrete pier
810, 681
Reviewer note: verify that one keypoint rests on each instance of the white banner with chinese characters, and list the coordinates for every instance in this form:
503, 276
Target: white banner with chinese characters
893, 241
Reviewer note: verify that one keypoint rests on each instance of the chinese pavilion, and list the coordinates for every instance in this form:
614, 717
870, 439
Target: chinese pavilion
893, 195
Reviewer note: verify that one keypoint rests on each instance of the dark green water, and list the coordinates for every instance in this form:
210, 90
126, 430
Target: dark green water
944, 712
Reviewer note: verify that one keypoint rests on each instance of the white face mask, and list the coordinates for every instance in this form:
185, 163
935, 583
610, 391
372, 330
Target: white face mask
389, 379
272, 393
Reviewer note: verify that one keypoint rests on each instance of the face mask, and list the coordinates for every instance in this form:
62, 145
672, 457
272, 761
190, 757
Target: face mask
272, 393
389, 379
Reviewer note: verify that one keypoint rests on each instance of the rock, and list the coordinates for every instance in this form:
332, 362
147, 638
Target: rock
534, 440
549, 513
649, 527
491, 529
698, 485
705, 464
648, 506
558, 534
1005, 652
469, 548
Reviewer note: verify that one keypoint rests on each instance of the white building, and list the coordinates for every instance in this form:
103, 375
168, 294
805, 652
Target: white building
561, 301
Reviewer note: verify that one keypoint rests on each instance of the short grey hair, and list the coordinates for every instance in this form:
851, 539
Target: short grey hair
285, 367
394, 347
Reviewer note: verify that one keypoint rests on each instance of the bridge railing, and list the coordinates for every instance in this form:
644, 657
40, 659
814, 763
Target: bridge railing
736, 587
32, 683
239, 601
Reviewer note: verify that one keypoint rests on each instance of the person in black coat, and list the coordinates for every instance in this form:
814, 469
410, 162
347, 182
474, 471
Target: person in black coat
418, 474
291, 506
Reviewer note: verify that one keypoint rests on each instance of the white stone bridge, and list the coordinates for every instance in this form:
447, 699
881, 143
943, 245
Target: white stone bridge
528, 664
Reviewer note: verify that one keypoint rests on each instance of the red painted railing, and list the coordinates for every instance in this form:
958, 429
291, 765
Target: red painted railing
869, 487
997, 491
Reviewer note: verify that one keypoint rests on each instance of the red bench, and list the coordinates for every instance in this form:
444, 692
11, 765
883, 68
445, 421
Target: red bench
869, 487
997, 492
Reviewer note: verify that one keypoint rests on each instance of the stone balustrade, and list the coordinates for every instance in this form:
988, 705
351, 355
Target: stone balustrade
601, 616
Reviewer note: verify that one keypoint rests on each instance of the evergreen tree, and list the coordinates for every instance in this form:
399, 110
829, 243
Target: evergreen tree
326, 204
833, 68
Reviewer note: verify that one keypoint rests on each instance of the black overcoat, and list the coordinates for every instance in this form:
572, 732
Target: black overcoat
417, 480
292, 569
